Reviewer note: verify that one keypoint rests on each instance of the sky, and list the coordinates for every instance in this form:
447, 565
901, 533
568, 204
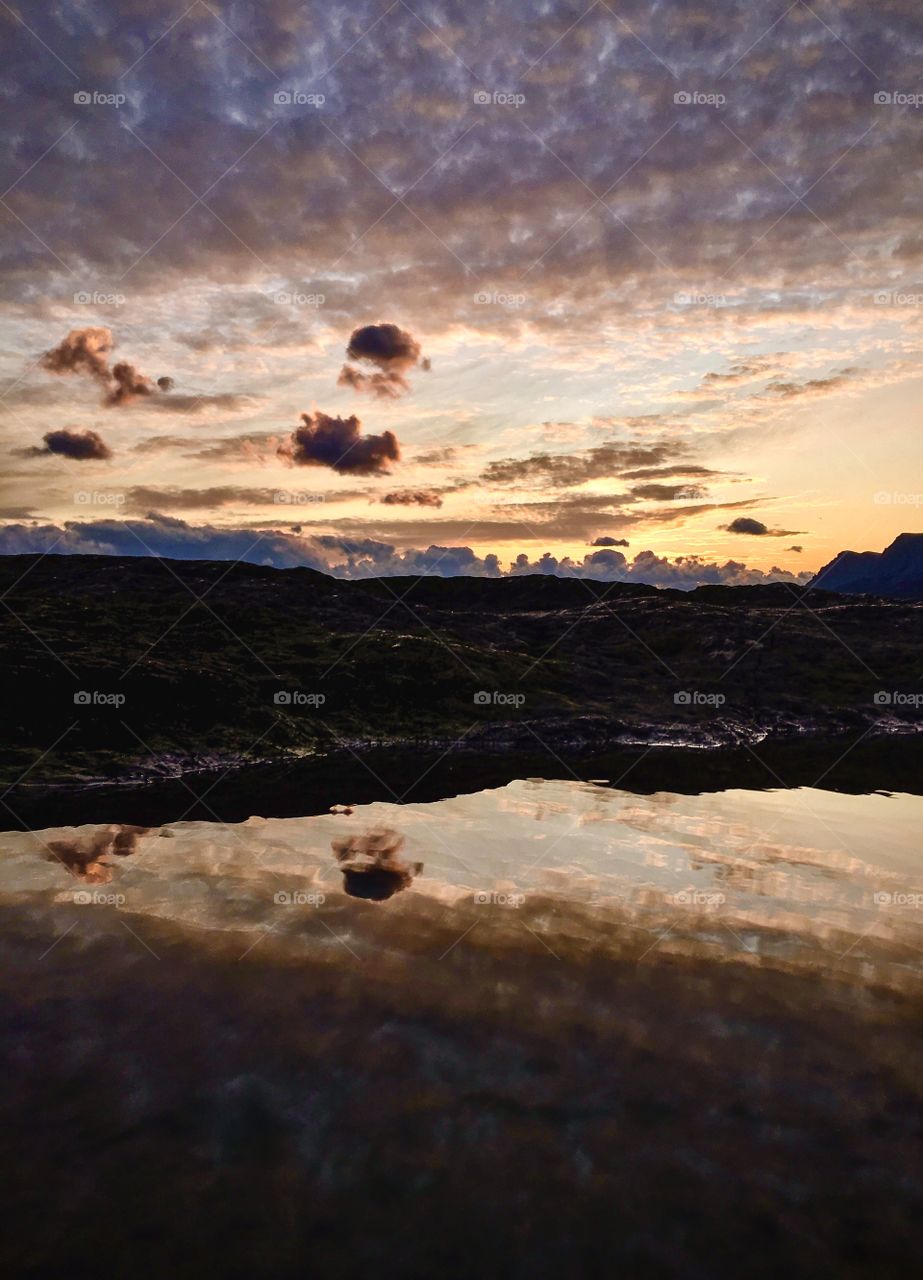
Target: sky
626, 291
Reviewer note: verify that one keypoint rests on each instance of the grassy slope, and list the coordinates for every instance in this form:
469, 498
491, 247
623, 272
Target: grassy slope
199, 650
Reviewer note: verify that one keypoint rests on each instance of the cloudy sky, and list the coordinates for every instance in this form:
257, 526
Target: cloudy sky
633, 290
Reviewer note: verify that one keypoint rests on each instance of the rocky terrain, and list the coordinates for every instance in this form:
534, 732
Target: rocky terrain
130, 668
895, 572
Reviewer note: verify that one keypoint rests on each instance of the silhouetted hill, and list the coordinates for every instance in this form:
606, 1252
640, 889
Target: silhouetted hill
896, 572
181, 664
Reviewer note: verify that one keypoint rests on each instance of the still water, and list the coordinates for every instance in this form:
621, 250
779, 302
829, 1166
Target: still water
612, 1029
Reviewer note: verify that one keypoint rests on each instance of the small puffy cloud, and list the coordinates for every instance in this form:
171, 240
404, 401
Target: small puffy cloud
756, 528
390, 351
82, 351
798, 549
338, 443
82, 446
609, 542
87, 351
745, 524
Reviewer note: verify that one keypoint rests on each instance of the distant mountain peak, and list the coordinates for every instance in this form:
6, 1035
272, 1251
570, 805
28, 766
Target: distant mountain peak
897, 571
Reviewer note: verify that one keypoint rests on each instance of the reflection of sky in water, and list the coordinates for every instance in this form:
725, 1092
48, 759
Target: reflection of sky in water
805, 873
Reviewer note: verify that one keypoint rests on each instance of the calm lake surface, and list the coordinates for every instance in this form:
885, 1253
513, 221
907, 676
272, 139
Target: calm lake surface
615, 1030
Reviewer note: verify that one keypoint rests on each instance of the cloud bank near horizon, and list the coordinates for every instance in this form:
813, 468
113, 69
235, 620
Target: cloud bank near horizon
172, 538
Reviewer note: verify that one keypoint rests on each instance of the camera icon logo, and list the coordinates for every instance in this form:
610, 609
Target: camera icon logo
882, 899
82, 98
883, 98
282, 698
883, 698
682, 98
282, 98
482, 698
481, 97
283, 299
682, 699
82, 699
82, 898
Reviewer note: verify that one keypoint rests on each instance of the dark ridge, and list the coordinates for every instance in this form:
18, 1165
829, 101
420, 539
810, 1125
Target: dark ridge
182, 664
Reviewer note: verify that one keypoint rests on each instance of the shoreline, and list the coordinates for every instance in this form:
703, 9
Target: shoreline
510, 738
229, 788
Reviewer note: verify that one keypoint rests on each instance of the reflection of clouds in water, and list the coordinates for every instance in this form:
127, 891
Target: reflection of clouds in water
86, 857
789, 885
371, 865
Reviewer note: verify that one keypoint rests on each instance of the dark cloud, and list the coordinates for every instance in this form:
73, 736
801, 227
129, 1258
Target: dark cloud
609, 542
338, 443
87, 351
392, 351
82, 351
798, 549
82, 446
413, 498
746, 524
